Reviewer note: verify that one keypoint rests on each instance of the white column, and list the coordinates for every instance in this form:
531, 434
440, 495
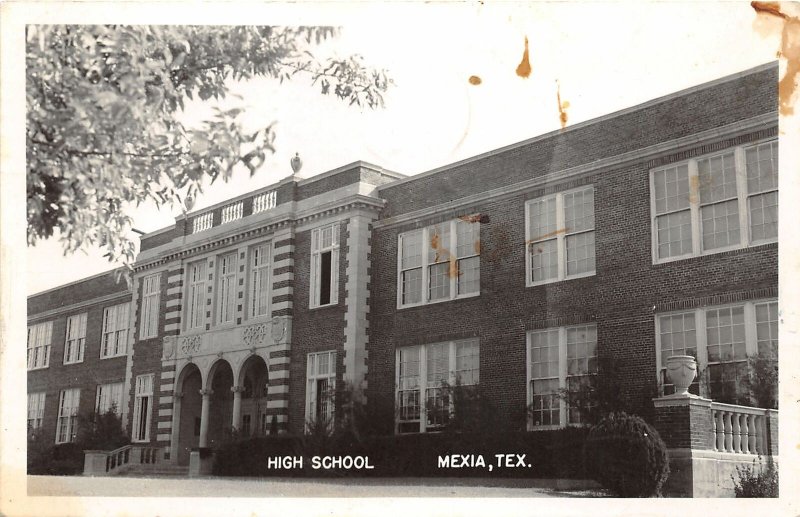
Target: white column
237, 406
206, 394
176, 426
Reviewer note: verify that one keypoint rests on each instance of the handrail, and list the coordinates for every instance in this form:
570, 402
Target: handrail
107, 462
739, 429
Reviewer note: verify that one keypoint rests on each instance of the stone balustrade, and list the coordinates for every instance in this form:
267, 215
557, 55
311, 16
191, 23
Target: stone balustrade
739, 429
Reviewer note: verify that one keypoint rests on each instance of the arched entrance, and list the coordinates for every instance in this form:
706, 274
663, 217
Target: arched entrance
221, 403
253, 377
189, 384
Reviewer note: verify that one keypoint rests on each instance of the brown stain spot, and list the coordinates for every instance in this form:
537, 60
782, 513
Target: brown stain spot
471, 218
475, 80
477, 246
524, 67
562, 107
790, 49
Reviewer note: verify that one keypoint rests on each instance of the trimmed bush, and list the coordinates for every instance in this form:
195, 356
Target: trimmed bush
627, 456
756, 481
551, 454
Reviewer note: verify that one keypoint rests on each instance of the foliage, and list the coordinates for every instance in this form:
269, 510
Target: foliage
624, 454
101, 431
598, 395
45, 458
551, 454
762, 379
756, 483
104, 107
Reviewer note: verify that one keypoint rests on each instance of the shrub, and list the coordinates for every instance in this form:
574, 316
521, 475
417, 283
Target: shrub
756, 483
627, 456
101, 431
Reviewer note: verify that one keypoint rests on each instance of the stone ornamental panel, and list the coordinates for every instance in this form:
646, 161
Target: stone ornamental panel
190, 344
256, 335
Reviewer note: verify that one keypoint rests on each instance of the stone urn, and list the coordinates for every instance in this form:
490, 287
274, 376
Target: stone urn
681, 371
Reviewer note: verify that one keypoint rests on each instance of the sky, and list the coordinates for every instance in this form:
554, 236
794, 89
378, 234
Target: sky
599, 57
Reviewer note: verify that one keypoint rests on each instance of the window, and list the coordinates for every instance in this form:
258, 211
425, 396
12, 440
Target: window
560, 236
226, 300
76, 339
109, 398
716, 202
67, 428
196, 295
115, 330
141, 408
149, 313
449, 269
35, 410
426, 376
260, 257
320, 392
721, 338
325, 266
562, 363
39, 337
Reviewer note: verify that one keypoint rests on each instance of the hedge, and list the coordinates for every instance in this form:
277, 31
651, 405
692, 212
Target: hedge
551, 454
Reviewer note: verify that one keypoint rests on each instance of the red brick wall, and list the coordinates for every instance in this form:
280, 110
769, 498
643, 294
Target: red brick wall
86, 375
627, 289
313, 330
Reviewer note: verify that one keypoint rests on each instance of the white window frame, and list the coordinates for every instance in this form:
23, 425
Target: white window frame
751, 341
256, 273
142, 407
317, 249
453, 379
151, 285
75, 342
227, 287
312, 376
561, 238
40, 338
196, 296
562, 374
67, 423
449, 255
109, 395
695, 203
116, 324
36, 410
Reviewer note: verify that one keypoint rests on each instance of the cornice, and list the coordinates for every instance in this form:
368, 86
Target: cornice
291, 219
646, 153
35, 318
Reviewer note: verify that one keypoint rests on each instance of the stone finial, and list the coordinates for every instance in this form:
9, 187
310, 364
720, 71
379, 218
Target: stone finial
296, 163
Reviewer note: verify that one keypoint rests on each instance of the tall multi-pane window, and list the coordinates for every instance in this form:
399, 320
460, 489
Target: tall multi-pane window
115, 330
67, 426
321, 388
109, 398
439, 262
560, 236
324, 266
142, 407
35, 410
722, 339
260, 257
76, 339
196, 295
39, 338
226, 297
150, 310
717, 202
427, 376
562, 365
761, 162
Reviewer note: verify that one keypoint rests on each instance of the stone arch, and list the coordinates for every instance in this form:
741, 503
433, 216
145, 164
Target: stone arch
252, 379
187, 408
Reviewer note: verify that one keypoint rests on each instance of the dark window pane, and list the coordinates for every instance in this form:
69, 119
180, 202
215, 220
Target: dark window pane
325, 279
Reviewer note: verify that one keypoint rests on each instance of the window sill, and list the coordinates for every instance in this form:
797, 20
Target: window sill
72, 362
443, 300
734, 250
557, 280
327, 306
125, 354
39, 368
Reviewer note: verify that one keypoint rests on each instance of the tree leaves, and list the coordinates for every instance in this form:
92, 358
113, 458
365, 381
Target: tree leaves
103, 131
